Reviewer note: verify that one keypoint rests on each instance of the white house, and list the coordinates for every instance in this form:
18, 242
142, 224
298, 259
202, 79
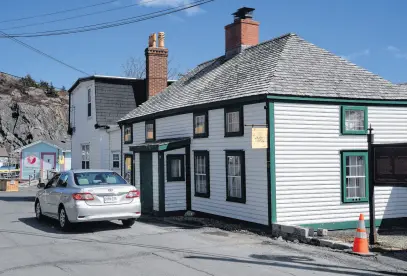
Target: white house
192, 143
95, 105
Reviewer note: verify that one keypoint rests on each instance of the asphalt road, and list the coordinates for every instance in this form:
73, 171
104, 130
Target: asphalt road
151, 248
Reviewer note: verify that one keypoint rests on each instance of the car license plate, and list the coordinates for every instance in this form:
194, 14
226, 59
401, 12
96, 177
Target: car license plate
110, 199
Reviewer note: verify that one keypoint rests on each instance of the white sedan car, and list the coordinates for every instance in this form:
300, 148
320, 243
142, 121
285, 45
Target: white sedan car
88, 195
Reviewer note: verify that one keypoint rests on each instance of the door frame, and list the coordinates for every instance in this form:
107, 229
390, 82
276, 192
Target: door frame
131, 155
42, 161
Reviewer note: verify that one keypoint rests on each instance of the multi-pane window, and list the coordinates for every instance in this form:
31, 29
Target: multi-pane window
85, 156
150, 131
233, 121
235, 176
354, 176
175, 167
89, 102
201, 173
354, 120
128, 168
116, 160
201, 125
128, 134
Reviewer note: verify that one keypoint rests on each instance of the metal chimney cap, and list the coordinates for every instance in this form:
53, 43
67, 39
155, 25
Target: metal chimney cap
243, 13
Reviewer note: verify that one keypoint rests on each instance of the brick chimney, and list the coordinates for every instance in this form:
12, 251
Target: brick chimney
242, 33
156, 65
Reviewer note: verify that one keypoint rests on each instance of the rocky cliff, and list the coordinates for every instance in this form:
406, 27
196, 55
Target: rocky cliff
28, 114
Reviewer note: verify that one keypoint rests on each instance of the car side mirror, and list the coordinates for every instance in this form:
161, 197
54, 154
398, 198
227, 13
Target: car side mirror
41, 185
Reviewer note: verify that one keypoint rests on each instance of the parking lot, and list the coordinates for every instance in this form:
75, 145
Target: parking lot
150, 247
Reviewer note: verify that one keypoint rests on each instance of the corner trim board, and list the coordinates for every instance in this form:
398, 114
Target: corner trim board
272, 170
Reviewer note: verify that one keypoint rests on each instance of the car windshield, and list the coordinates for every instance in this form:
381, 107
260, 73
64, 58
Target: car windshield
98, 178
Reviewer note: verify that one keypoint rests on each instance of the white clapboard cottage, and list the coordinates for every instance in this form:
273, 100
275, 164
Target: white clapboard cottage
95, 105
192, 143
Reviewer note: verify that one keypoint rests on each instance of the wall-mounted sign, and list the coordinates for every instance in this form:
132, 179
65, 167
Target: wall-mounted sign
390, 164
31, 160
259, 137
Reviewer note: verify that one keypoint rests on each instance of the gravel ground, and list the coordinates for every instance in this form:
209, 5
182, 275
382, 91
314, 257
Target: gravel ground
395, 239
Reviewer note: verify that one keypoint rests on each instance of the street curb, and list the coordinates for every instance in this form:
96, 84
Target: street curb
170, 222
360, 254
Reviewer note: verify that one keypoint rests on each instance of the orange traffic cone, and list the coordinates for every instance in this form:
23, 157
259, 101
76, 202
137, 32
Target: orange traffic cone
360, 243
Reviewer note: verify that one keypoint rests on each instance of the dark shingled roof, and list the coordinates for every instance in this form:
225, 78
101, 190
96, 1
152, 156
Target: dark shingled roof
287, 65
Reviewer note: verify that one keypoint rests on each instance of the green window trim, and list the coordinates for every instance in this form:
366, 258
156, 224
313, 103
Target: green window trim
343, 120
345, 198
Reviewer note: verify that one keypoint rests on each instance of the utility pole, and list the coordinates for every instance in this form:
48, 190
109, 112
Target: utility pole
372, 216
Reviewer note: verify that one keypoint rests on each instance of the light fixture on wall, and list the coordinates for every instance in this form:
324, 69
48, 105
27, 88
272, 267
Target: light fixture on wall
102, 126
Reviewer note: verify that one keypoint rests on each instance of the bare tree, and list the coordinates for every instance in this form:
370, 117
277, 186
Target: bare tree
135, 67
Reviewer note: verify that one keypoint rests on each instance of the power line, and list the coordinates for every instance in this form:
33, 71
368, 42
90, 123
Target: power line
42, 53
111, 24
58, 12
78, 16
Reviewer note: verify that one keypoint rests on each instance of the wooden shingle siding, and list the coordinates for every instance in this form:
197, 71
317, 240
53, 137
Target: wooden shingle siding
175, 191
155, 182
255, 209
308, 170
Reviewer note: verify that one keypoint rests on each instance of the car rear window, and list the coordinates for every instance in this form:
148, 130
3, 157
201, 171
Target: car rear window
98, 178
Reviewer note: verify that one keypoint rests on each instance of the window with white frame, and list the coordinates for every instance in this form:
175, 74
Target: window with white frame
234, 121
354, 176
89, 102
85, 156
235, 176
116, 160
354, 120
201, 173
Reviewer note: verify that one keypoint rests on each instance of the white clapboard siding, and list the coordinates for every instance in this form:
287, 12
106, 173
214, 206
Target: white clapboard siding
255, 209
308, 170
137, 169
155, 183
174, 126
175, 192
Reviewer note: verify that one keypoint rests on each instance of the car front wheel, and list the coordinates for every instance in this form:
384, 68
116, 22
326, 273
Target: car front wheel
64, 222
128, 222
38, 212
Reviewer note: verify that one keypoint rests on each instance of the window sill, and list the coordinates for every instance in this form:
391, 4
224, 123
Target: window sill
237, 200
350, 201
233, 134
128, 142
200, 136
207, 195
363, 132
181, 179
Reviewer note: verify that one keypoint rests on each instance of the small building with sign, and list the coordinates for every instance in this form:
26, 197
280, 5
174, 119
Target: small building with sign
40, 158
271, 132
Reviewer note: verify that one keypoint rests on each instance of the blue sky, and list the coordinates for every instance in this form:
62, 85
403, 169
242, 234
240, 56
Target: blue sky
368, 33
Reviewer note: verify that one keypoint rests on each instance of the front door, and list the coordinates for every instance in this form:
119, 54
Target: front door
48, 164
146, 182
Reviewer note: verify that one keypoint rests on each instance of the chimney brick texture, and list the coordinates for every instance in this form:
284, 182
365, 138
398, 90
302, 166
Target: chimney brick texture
156, 70
241, 34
